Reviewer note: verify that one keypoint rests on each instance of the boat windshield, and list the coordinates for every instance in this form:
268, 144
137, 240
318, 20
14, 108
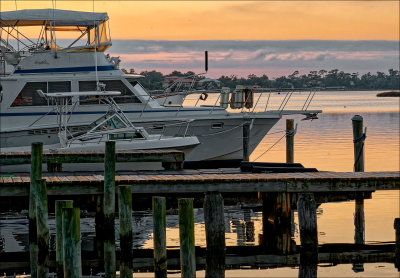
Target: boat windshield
107, 122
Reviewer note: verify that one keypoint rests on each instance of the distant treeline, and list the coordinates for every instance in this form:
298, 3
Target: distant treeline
334, 78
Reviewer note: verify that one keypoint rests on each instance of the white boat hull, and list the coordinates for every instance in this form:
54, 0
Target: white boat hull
215, 143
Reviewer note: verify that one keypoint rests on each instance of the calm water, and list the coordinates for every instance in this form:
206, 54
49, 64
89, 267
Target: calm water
325, 144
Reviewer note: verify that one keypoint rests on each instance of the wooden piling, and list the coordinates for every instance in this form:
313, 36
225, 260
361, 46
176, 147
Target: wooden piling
159, 237
308, 264
42, 228
186, 235
125, 230
246, 140
36, 174
277, 222
215, 234
358, 140
109, 210
72, 260
278, 207
359, 219
308, 235
172, 165
60, 204
397, 238
307, 220
54, 166
99, 226
289, 141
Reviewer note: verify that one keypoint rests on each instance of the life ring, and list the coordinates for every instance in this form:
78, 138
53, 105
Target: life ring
203, 96
104, 127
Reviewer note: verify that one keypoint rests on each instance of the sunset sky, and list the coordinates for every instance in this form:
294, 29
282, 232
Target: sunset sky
156, 24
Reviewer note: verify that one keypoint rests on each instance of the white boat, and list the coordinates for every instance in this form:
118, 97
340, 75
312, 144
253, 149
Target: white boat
112, 126
42, 64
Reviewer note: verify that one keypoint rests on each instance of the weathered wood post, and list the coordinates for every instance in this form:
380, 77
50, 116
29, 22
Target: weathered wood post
277, 222
358, 140
308, 235
172, 165
54, 166
359, 219
397, 256
109, 210
125, 230
159, 238
215, 234
42, 228
289, 141
99, 226
246, 140
186, 235
36, 174
248, 226
72, 260
60, 204
307, 220
277, 208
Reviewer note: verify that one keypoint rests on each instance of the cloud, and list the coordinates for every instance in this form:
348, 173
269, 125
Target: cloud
233, 57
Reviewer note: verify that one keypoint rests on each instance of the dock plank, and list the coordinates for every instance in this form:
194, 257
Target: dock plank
16, 158
196, 183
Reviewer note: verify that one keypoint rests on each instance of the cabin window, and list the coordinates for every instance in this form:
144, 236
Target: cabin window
127, 135
29, 96
58, 87
217, 125
111, 85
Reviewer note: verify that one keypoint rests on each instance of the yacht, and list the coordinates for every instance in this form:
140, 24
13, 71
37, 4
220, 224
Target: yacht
43, 64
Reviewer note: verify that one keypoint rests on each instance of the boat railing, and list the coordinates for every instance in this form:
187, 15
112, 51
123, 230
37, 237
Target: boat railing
180, 124
250, 100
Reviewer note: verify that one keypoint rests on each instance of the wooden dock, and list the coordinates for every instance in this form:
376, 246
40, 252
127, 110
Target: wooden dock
15, 158
281, 193
157, 184
171, 159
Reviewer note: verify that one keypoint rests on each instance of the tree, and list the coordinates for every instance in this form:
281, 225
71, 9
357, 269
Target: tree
152, 80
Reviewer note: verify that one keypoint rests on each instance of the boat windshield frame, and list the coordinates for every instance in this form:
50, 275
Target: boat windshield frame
92, 28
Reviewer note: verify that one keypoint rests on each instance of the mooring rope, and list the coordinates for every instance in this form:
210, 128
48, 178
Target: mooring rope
270, 147
361, 138
287, 133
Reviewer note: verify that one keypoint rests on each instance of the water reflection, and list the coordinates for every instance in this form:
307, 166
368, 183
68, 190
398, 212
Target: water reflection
242, 226
326, 143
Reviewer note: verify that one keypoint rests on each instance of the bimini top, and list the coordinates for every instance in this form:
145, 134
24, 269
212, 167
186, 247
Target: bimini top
42, 17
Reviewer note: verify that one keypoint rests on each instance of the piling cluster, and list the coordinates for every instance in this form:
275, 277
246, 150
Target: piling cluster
68, 241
